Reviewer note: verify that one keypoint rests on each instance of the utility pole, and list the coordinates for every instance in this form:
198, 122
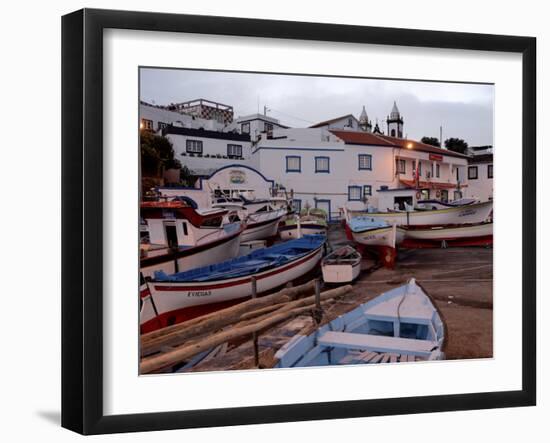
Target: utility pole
441, 136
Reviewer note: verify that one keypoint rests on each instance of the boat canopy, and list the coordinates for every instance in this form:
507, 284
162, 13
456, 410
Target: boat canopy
257, 261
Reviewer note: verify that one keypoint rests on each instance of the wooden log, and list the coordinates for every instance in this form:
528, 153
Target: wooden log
211, 325
151, 340
282, 295
185, 352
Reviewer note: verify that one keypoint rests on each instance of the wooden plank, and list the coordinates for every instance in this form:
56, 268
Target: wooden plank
378, 343
412, 358
393, 358
366, 356
376, 359
386, 358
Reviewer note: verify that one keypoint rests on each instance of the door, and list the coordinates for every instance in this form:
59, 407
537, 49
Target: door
324, 205
171, 236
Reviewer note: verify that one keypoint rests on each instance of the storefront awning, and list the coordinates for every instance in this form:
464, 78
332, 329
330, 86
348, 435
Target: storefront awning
429, 185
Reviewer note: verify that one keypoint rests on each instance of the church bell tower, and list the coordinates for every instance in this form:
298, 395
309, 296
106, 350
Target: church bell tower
395, 123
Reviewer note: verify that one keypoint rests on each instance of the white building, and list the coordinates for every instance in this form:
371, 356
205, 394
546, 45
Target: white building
358, 169
204, 151
257, 124
155, 118
228, 180
480, 173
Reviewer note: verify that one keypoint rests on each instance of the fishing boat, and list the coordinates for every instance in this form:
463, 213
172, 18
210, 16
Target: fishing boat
176, 297
182, 237
472, 213
402, 325
370, 231
342, 265
261, 218
311, 221
423, 205
450, 232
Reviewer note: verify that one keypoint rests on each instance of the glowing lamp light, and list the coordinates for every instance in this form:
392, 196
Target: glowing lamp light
409, 145
140, 125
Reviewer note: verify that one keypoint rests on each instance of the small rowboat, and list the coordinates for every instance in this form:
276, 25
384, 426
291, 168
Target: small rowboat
175, 297
341, 266
369, 231
401, 325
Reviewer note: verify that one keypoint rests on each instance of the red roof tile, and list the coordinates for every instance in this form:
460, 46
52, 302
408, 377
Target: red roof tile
367, 138
361, 138
419, 146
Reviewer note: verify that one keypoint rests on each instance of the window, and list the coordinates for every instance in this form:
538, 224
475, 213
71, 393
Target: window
437, 170
393, 132
419, 168
193, 146
472, 172
400, 166
350, 122
425, 194
444, 195
245, 128
489, 171
146, 124
457, 195
293, 163
297, 205
162, 125
367, 190
365, 162
354, 193
184, 226
322, 164
234, 150
432, 170
268, 127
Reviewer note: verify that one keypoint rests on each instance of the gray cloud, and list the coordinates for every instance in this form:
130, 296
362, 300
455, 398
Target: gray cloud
464, 110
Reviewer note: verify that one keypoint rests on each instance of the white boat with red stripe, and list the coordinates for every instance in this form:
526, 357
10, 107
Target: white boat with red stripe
172, 295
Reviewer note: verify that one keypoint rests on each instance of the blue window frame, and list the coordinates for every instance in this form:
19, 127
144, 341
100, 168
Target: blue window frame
322, 164
355, 193
293, 163
365, 162
419, 168
297, 204
367, 190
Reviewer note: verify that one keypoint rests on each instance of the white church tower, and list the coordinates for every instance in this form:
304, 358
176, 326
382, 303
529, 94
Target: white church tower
395, 123
364, 122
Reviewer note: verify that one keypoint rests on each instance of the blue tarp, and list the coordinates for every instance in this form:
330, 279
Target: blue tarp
362, 223
257, 261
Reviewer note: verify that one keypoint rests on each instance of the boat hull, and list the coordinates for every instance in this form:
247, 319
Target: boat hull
261, 230
440, 233
172, 297
210, 253
387, 236
473, 213
291, 232
341, 273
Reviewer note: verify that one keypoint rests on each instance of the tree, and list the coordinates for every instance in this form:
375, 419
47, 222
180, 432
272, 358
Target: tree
456, 145
156, 153
431, 141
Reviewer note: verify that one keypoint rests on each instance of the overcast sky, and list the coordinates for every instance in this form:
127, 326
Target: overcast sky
464, 110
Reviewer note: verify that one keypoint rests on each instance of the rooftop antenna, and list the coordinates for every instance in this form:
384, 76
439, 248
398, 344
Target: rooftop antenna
258, 109
441, 136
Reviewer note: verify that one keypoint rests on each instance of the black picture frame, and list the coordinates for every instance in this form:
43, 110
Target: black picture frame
82, 190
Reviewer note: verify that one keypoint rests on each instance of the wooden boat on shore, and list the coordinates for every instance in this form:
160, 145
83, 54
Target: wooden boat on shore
369, 231
311, 221
402, 324
449, 232
173, 296
181, 237
261, 218
425, 205
342, 265
472, 213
